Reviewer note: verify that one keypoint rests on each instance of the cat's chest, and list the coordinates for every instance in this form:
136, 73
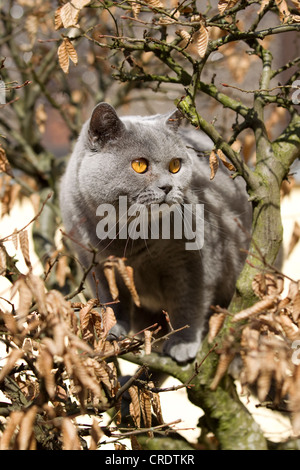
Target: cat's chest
154, 272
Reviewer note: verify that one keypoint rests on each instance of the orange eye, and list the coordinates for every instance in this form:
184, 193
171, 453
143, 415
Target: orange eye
140, 165
175, 165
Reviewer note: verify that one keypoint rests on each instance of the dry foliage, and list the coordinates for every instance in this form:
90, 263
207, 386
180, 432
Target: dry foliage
270, 338
59, 365
214, 158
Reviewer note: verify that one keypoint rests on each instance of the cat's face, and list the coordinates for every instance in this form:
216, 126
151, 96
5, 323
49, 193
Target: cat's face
142, 159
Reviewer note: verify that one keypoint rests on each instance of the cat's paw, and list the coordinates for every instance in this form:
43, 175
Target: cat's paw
181, 351
120, 329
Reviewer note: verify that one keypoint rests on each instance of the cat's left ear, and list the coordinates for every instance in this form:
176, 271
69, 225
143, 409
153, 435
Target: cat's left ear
105, 124
174, 119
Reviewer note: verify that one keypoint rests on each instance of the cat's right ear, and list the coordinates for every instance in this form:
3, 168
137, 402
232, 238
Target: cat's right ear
105, 124
174, 119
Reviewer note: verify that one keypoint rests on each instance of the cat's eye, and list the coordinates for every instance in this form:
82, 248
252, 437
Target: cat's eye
140, 165
175, 165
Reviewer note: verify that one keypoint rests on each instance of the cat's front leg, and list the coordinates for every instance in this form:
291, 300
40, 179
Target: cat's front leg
182, 347
184, 344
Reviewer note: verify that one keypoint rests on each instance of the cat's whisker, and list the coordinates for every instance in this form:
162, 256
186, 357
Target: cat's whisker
116, 225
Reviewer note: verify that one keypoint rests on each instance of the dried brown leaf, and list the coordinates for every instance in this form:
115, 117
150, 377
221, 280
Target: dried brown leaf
224, 161
250, 338
69, 15
136, 8
80, 3
63, 57
129, 281
14, 421
96, 434
26, 428
126, 273
223, 5
293, 290
223, 364
216, 322
156, 405
110, 276
14, 355
57, 306
294, 18
263, 4
214, 164
14, 239
185, 36
10, 322
135, 445
102, 372
24, 245
168, 19
59, 338
120, 446
41, 117
290, 329
84, 373
25, 299
69, 435
294, 237
4, 163
58, 23
45, 367
147, 344
108, 319
267, 284
264, 383
296, 308
37, 287
226, 5
259, 307
65, 52
295, 420
252, 366
110, 348
31, 26
2, 259
155, 3
85, 316
283, 10
62, 270
145, 403
134, 408
71, 51
202, 41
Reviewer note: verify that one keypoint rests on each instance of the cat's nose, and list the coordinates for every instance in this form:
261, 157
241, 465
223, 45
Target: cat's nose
167, 188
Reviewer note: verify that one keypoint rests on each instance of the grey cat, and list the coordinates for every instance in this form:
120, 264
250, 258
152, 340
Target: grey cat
154, 160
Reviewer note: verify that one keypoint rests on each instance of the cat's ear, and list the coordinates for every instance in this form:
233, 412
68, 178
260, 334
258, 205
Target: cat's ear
174, 119
104, 124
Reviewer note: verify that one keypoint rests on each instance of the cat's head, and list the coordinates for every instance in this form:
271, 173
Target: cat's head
142, 158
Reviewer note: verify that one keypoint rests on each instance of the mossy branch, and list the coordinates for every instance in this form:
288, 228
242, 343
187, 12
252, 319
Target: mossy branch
227, 417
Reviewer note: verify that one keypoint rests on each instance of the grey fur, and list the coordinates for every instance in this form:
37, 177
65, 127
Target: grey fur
167, 276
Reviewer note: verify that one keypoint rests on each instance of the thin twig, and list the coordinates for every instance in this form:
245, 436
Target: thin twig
259, 90
16, 232
129, 382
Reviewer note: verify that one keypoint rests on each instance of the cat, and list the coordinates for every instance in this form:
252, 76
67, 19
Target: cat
155, 160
